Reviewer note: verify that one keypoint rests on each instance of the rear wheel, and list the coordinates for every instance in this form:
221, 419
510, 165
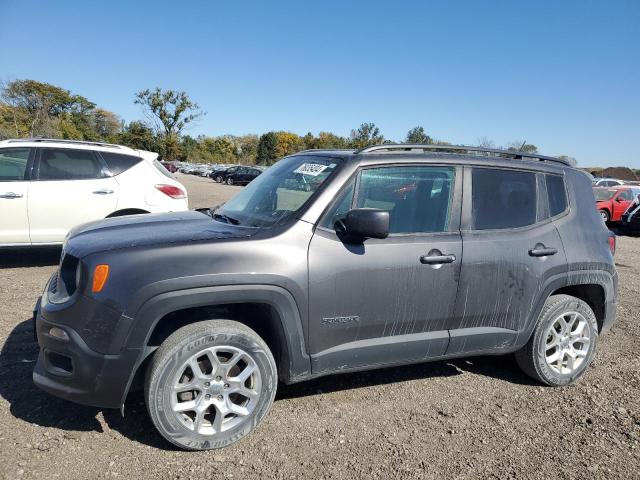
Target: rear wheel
605, 215
563, 342
210, 384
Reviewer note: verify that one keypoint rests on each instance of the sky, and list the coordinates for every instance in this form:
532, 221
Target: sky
563, 75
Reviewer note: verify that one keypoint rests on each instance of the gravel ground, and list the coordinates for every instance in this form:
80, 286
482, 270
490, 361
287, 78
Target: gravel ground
472, 418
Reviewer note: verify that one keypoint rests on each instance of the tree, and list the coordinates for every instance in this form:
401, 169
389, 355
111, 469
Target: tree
171, 112
105, 123
266, 152
217, 150
417, 136
365, 135
287, 143
485, 142
246, 148
140, 136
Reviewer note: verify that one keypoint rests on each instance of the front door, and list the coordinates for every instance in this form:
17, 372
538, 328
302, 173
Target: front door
70, 188
387, 301
14, 194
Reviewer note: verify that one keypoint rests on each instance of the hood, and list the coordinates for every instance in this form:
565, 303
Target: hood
149, 229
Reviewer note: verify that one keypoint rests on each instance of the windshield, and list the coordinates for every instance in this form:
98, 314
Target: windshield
603, 194
279, 192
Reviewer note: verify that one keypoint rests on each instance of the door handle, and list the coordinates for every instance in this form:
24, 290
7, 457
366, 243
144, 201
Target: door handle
437, 259
11, 195
103, 191
542, 251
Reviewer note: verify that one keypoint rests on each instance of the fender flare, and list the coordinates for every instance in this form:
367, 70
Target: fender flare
576, 277
155, 308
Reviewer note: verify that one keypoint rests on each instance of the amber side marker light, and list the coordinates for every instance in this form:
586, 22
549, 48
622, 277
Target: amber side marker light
100, 276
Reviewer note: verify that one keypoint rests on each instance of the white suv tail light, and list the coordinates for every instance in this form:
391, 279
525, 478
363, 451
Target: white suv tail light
171, 191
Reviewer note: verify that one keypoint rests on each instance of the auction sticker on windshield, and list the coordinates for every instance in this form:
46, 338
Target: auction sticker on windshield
313, 169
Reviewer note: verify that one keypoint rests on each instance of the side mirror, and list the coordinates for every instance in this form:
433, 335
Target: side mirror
363, 223
619, 199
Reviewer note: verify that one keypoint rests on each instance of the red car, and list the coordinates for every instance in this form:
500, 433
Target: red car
612, 202
170, 166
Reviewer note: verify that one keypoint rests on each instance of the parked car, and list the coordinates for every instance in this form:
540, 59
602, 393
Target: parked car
612, 202
631, 217
242, 176
608, 182
170, 167
221, 176
48, 187
284, 285
216, 169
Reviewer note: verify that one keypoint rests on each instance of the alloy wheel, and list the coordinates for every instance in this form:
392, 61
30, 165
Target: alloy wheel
216, 389
567, 343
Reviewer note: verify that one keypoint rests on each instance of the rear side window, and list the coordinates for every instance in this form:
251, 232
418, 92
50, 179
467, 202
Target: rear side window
59, 164
503, 199
118, 162
13, 164
557, 195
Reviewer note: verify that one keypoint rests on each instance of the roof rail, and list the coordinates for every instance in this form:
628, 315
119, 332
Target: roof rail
323, 150
59, 140
462, 148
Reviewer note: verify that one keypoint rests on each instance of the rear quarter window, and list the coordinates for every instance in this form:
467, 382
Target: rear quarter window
161, 169
557, 194
118, 163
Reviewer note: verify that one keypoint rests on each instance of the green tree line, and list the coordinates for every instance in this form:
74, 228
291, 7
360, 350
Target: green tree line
29, 108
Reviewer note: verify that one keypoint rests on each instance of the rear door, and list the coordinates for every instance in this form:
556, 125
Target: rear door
15, 166
387, 300
511, 248
71, 187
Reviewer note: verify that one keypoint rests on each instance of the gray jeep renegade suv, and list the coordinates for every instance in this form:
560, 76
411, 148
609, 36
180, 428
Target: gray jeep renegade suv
330, 261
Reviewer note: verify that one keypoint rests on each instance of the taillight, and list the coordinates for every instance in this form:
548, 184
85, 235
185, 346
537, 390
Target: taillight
612, 243
171, 191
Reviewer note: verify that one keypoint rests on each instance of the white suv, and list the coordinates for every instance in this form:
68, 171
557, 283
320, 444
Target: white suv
49, 186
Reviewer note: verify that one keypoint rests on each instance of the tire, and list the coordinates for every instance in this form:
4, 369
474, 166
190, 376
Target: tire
230, 181
605, 215
218, 179
213, 390
537, 357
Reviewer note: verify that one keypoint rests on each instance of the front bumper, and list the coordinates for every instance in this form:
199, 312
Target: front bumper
68, 368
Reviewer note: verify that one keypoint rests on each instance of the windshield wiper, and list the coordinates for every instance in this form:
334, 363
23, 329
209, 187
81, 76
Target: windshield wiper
226, 218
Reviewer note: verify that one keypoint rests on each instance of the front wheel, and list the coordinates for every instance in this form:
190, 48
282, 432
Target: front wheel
210, 384
605, 215
563, 342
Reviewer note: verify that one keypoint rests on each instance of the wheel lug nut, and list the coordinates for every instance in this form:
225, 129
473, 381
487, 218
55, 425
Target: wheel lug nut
207, 396
218, 378
226, 385
206, 384
219, 397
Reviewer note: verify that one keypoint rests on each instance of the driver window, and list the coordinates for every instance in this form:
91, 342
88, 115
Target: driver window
418, 198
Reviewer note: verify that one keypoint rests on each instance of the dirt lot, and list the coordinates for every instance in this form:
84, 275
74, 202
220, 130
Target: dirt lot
474, 418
